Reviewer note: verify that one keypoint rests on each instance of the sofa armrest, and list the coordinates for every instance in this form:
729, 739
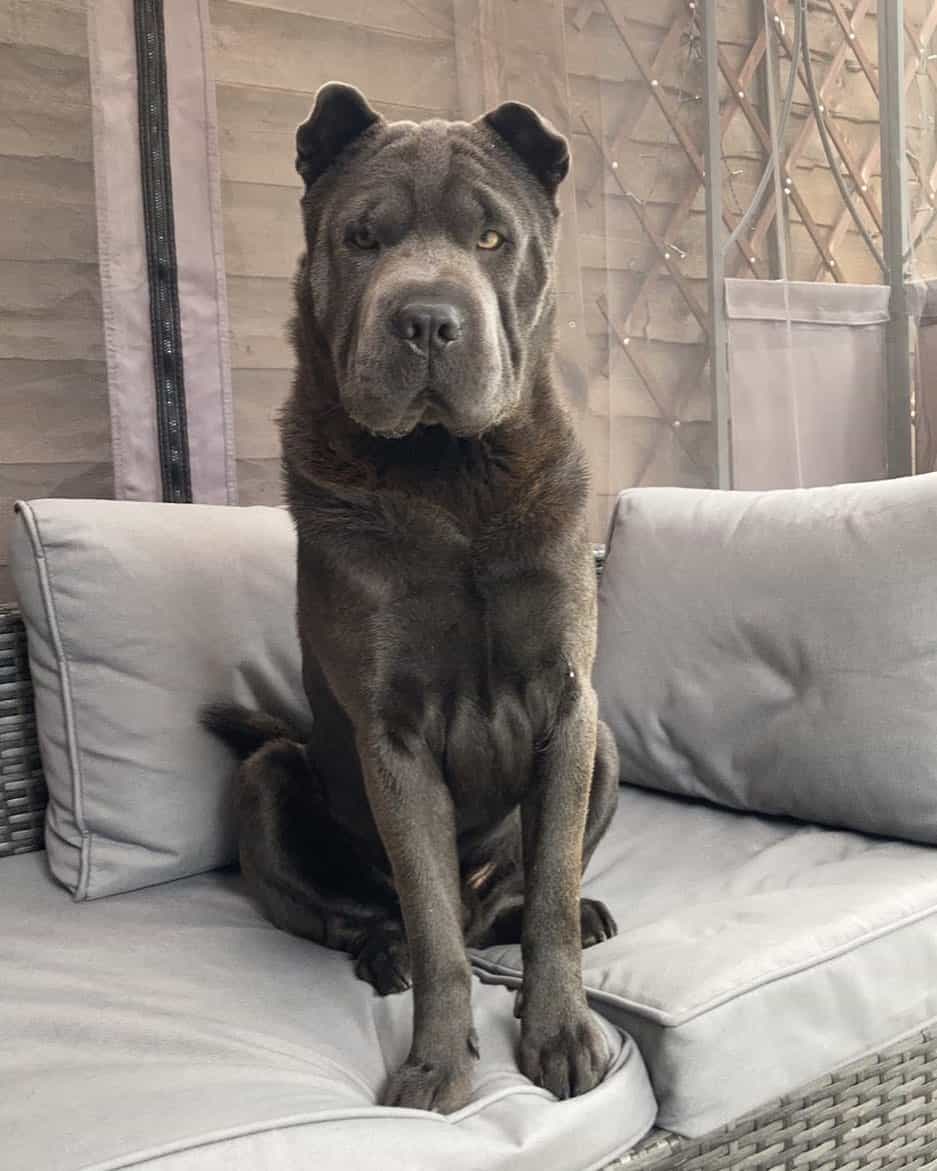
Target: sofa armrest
22, 787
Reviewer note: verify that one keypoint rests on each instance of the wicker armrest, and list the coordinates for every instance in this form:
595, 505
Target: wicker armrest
22, 787
876, 1114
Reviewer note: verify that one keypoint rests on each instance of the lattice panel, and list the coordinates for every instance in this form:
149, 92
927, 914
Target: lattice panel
639, 138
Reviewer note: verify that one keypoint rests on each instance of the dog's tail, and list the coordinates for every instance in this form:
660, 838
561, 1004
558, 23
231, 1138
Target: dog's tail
244, 730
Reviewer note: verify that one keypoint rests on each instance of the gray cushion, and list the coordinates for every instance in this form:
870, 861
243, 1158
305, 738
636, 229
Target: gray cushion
174, 1028
777, 651
138, 614
754, 954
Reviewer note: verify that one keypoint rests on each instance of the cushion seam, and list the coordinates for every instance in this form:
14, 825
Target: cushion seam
44, 575
670, 1020
370, 1114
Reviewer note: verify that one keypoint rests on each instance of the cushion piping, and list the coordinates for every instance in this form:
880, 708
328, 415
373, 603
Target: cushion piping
670, 1020
373, 1114
58, 646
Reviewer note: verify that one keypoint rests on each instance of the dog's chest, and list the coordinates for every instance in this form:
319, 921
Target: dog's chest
477, 670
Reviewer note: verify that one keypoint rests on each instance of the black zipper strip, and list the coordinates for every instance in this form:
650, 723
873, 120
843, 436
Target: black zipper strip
159, 229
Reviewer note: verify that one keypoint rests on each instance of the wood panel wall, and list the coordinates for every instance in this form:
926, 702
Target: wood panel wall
55, 430
435, 58
414, 59
459, 57
456, 58
270, 56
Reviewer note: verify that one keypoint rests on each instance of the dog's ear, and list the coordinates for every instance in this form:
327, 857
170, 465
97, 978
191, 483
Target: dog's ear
542, 148
339, 115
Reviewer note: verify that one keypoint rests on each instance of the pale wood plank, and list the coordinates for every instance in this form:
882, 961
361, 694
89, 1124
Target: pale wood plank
259, 309
264, 47
667, 317
50, 310
54, 412
648, 446
47, 210
262, 229
257, 128
519, 52
478, 56
51, 182
45, 97
259, 482
258, 396
415, 18
50, 24
733, 17
30, 232
597, 51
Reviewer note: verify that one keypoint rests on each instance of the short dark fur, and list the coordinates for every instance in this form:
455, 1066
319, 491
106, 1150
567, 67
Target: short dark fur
456, 779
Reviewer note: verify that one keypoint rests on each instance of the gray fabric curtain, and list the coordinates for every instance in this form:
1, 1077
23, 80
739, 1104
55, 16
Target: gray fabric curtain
806, 382
199, 274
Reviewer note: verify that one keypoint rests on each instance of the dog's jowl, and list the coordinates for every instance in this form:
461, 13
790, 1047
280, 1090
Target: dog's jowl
456, 779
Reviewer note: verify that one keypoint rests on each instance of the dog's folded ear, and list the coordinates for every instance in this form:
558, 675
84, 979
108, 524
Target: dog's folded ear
339, 115
542, 148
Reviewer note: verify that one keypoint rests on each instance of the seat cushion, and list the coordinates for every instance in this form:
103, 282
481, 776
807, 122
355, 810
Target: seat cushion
754, 954
173, 1027
777, 651
138, 614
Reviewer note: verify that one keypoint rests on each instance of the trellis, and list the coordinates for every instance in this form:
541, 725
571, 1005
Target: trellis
878, 219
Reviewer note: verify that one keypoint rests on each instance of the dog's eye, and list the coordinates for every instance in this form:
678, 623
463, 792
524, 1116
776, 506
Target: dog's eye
362, 237
490, 240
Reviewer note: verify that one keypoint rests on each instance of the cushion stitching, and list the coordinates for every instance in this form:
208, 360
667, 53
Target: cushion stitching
362, 1114
74, 754
675, 1020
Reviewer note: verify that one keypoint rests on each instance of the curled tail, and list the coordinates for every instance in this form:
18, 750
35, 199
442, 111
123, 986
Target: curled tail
244, 730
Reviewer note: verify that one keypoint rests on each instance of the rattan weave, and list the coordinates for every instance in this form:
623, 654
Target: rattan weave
22, 789
879, 1114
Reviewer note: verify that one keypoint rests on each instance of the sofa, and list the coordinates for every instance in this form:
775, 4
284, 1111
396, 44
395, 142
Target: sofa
769, 999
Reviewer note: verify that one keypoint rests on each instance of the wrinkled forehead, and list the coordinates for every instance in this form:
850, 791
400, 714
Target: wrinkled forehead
440, 174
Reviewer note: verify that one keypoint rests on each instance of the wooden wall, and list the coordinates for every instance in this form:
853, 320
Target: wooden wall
419, 59
55, 430
270, 56
586, 64
432, 59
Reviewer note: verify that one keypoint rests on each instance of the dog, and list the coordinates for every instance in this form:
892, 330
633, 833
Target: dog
456, 779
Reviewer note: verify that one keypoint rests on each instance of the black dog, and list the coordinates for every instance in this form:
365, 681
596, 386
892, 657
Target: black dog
456, 779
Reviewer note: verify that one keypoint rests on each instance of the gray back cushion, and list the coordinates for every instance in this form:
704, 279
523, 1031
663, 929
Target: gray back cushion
137, 615
777, 651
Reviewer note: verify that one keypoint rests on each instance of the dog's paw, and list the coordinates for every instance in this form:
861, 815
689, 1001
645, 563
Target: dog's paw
568, 1056
427, 1085
597, 922
383, 960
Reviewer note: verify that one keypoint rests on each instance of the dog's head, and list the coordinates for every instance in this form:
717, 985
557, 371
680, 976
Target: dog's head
429, 259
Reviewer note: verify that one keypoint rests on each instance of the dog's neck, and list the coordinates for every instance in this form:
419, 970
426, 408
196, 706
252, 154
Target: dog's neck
532, 461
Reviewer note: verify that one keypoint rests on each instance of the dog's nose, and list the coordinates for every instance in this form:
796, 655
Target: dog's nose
428, 326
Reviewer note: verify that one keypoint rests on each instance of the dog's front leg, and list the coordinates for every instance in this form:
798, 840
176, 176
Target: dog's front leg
416, 819
562, 1047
